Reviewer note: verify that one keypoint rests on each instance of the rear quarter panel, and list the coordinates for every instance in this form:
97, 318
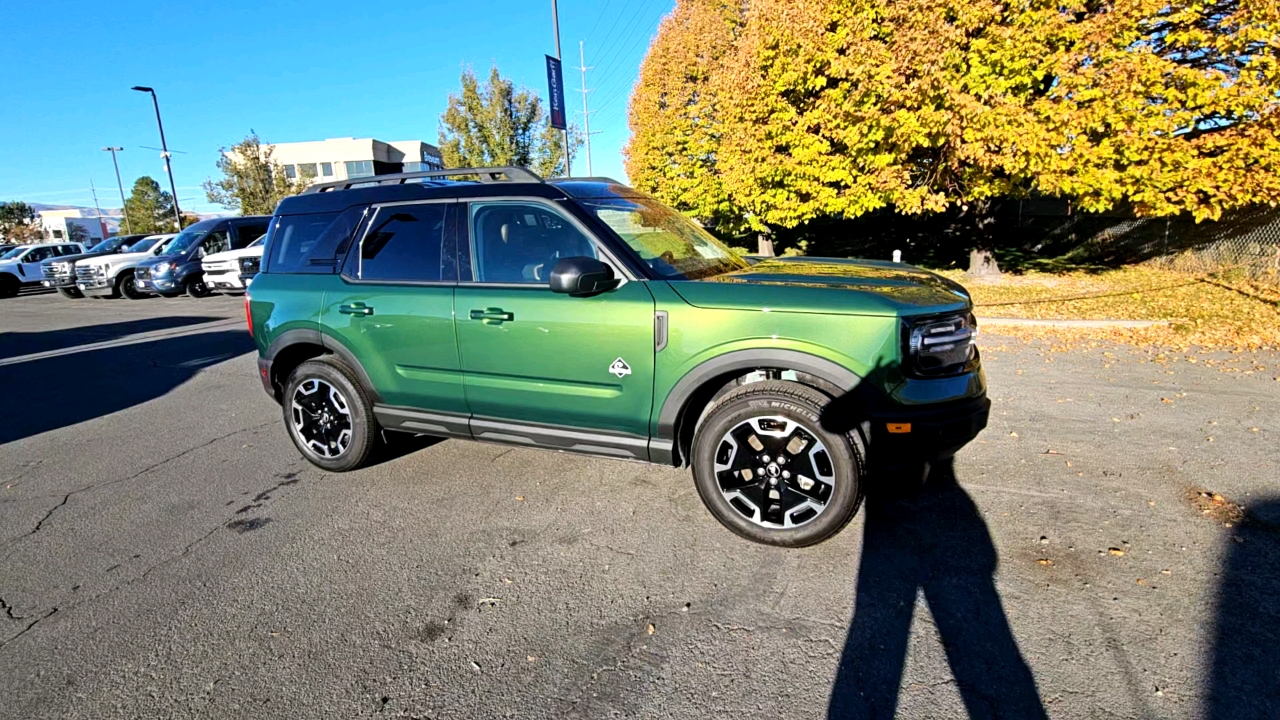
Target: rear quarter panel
281, 303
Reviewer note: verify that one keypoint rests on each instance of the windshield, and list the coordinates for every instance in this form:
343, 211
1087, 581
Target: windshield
105, 246
13, 253
672, 244
143, 245
184, 241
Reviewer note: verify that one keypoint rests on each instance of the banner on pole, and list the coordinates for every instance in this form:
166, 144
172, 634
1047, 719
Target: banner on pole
555, 91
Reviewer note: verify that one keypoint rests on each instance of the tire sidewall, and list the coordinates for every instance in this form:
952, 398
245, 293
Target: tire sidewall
845, 499
197, 289
127, 286
363, 425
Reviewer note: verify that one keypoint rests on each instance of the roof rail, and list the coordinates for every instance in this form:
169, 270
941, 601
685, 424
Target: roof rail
486, 175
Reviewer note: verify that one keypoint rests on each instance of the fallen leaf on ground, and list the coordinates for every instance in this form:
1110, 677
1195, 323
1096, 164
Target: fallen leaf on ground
651, 629
1116, 551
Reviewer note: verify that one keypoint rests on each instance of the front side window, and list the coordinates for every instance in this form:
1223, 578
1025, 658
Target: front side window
359, 168
38, 254
671, 244
522, 242
404, 243
216, 242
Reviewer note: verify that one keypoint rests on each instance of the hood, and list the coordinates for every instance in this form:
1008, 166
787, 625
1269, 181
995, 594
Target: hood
828, 285
74, 258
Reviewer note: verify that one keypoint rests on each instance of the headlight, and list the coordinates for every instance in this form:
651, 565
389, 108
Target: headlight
937, 346
163, 267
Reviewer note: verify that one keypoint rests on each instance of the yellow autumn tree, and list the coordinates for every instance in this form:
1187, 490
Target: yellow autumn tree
675, 131
834, 108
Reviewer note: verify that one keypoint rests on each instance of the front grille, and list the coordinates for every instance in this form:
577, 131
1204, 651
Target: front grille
54, 271
89, 272
250, 265
220, 266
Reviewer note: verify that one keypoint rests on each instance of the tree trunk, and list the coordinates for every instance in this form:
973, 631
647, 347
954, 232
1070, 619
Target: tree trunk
982, 263
765, 245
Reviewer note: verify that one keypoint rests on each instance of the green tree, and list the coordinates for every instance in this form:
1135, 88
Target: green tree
674, 112
149, 209
19, 223
497, 124
252, 183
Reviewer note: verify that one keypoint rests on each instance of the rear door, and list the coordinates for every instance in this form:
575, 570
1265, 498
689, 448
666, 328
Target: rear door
392, 307
535, 356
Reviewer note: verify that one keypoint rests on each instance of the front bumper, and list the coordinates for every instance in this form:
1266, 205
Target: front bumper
222, 282
65, 281
928, 432
157, 284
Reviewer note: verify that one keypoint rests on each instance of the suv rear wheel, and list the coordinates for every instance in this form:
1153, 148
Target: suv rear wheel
329, 416
768, 471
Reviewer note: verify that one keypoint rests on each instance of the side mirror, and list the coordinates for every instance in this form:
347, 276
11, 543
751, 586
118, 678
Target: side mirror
582, 276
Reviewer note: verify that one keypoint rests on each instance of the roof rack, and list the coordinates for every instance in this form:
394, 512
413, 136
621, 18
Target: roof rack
486, 175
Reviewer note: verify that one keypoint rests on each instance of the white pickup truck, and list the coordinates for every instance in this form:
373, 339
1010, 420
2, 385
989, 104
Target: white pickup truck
222, 270
112, 275
21, 265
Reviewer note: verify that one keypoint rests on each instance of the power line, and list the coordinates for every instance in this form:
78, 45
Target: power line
608, 35
619, 90
596, 24
609, 60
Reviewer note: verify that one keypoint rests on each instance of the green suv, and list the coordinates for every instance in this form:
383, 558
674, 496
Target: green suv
584, 316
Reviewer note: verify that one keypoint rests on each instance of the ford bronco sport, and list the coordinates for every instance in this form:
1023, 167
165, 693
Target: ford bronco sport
582, 315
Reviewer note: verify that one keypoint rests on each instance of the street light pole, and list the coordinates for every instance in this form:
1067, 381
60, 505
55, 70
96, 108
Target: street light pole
164, 151
555, 20
113, 150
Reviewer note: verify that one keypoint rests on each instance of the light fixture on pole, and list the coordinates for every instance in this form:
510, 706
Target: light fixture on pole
113, 150
164, 152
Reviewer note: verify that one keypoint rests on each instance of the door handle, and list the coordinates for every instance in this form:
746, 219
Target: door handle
355, 309
492, 316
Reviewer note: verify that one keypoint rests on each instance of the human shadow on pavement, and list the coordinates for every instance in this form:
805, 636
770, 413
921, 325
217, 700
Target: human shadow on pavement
933, 541
1245, 652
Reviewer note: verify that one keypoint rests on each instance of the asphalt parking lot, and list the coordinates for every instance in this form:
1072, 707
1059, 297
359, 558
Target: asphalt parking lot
167, 553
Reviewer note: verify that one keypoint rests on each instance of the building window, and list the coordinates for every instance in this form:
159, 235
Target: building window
326, 169
290, 172
359, 168
307, 170
57, 234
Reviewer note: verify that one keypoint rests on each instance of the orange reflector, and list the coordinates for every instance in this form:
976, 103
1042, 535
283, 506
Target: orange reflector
898, 427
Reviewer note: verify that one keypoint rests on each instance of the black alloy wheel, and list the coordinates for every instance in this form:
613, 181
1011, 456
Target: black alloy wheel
329, 416
197, 289
127, 286
768, 471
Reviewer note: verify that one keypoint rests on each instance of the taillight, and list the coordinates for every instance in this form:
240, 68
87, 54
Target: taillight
248, 313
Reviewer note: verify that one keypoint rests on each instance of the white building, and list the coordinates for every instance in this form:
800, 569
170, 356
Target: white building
57, 224
347, 158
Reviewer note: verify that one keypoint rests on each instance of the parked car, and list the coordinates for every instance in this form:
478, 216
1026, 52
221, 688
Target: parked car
59, 273
21, 265
178, 269
222, 270
113, 275
584, 316
249, 266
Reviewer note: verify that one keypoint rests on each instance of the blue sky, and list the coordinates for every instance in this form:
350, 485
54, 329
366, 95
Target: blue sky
289, 70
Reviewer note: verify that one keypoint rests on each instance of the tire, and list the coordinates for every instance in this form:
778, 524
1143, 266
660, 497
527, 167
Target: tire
127, 287
71, 293
307, 404
196, 288
9, 286
745, 449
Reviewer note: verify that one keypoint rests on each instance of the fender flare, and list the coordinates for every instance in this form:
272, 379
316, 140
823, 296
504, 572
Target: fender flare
308, 336
744, 360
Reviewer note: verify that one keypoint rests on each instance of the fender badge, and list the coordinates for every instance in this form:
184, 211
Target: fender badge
620, 368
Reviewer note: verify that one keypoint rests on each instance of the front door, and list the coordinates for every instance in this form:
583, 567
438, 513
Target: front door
392, 307
30, 269
530, 355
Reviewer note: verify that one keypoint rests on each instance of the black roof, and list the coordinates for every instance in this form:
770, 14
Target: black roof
435, 185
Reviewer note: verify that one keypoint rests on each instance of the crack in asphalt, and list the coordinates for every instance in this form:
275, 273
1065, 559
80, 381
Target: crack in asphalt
26, 629
8, 611
134, 476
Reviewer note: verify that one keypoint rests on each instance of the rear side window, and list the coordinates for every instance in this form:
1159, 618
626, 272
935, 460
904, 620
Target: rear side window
404, 244
309, 243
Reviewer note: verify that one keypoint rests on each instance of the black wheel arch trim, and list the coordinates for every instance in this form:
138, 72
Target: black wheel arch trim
308, 336
663, 445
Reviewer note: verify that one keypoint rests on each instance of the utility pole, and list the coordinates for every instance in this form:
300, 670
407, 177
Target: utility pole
102, 228
555, 20
113, 150
164, 149
586, 114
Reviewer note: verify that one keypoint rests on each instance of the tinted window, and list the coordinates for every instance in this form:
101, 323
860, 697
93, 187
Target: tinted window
250, 231
38, 254
520, 243
404, 243
309, 243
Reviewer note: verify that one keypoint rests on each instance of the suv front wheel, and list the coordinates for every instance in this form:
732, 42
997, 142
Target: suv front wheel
329, 416
768, 471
